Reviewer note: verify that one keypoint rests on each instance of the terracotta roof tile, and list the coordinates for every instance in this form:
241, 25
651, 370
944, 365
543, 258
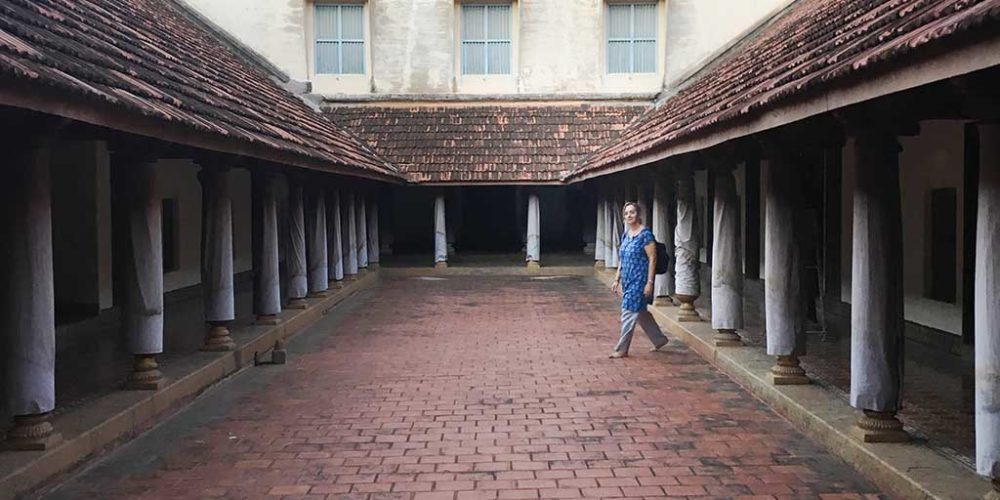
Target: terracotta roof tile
149, 58
486, 143
812, 47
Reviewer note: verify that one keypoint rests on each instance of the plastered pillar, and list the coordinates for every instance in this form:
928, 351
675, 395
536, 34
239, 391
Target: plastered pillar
316, 241
877, 290
440, 233
373, 244
267, 278
361, 226
600, 237
217, 257
28, 319
686, 244
534, 228
142, 272
610, 259
335, 236
987, 297
617, 226
782, 311
727, 262
349, 222
663, 286
295, 261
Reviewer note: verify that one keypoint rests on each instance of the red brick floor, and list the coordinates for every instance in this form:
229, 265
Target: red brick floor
479, 387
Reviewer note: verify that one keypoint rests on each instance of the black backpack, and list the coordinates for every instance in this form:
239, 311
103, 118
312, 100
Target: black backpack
662, 258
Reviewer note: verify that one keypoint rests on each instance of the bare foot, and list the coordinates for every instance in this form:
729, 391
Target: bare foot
617, 354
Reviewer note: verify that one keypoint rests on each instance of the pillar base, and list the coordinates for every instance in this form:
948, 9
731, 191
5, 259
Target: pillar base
350, 277
267, 319
218, 339
598, 264
298, 303
995, 494
533, 265
373, 265
727, 338
687, 314
787, 371
146, 375
32, 433
334, 284
880, 427
664, 301
440, 265
322, 294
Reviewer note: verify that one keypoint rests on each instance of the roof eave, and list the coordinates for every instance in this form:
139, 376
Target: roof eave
948, 64
48, 101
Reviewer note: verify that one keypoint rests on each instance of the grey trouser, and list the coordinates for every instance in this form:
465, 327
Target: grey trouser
648, 324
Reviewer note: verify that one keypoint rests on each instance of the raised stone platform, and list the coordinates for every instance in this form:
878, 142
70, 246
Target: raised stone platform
111, 420
910, 470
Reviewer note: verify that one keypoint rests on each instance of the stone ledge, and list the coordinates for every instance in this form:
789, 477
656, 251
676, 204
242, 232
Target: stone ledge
111, 420
910, 470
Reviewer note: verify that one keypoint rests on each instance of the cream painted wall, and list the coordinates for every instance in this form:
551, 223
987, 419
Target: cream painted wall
933, 159
558, 48
698, 29
273, 28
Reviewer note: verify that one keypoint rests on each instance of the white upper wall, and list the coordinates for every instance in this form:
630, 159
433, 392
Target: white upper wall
697, 30
558, 46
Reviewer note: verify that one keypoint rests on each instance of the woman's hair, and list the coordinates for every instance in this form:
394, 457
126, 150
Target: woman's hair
638, 210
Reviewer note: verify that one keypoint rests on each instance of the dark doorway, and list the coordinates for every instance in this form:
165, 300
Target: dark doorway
943, 252
489, 220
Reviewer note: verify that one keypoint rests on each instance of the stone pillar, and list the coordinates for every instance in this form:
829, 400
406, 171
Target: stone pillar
373, 247
782, 312
663, 287
987, 296
295, 261
350, 248
600, 237
334, 240
361, 226
686, 246
267, 278
727, 262
617, 226
142, 273
440, 233
217, 257
877, 290
316, 240
534, 232
28, 332
610, 233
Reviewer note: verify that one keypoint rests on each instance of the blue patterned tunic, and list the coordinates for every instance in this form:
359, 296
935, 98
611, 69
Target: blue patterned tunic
633, 266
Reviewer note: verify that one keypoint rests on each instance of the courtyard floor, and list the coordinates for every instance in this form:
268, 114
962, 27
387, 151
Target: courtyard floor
473, 387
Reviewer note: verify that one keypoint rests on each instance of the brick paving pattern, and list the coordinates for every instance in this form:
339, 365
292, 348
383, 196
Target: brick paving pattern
488, 387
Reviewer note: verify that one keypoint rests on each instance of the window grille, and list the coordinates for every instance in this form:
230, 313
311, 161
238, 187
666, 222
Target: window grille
632, 38
486, 40
340, 39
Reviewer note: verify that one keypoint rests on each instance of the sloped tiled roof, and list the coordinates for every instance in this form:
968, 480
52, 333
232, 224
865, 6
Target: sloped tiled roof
815, 46
470, 143
150, 60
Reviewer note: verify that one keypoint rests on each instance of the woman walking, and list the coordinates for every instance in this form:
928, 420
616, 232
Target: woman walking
636, 272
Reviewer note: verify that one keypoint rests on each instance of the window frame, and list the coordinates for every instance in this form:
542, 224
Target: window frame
488, 40
632, 39
340, 41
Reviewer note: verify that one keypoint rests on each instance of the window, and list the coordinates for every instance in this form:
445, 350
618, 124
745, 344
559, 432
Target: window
486, 40
340, 39
631, 38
